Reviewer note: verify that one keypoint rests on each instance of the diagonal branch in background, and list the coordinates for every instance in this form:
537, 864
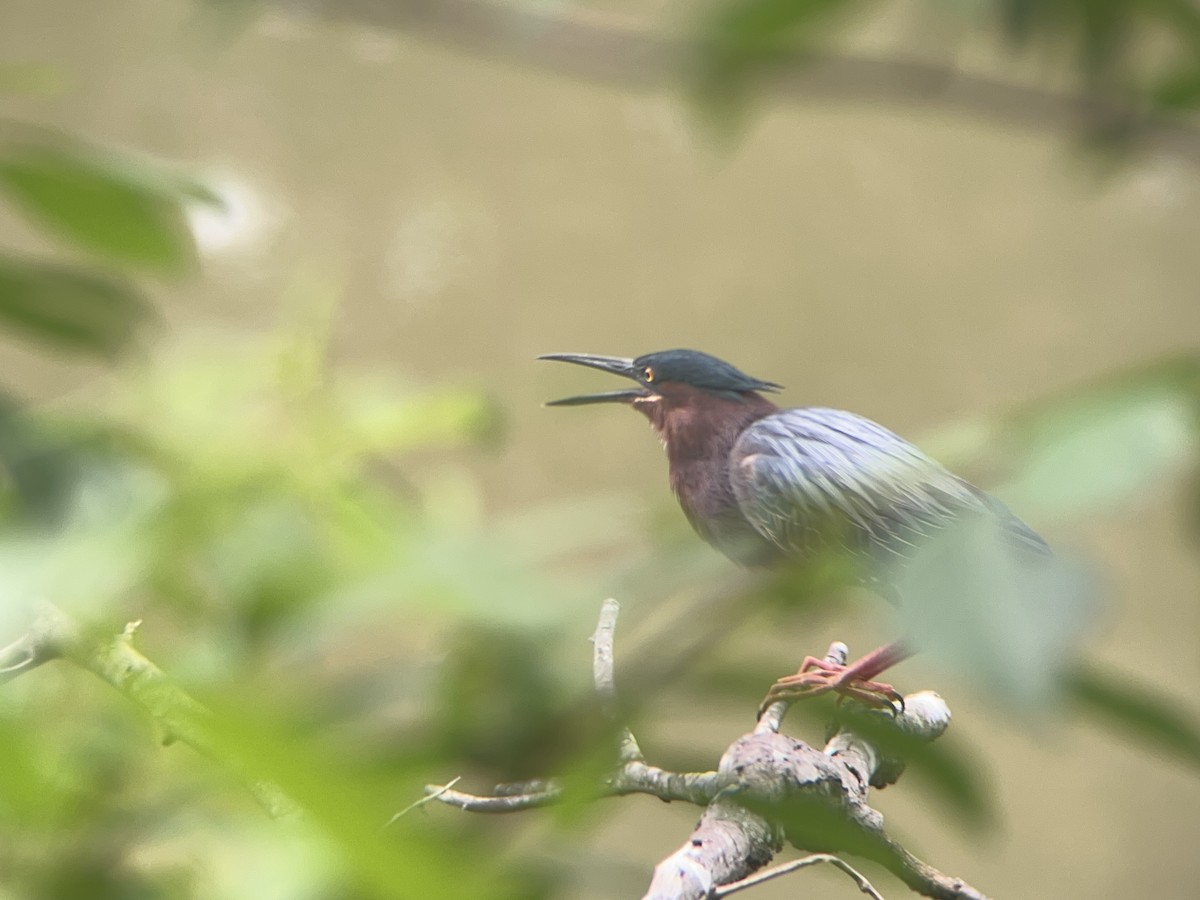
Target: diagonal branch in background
603, 48
54, 635
767, 789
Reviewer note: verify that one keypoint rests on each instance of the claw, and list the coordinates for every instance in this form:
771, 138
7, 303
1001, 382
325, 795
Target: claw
818, 676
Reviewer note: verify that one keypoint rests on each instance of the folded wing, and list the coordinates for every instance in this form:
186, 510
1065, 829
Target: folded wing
806, 478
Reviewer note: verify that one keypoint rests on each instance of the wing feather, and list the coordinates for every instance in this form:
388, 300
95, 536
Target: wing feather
804, 476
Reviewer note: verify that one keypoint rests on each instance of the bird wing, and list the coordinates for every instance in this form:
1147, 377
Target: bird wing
804, 477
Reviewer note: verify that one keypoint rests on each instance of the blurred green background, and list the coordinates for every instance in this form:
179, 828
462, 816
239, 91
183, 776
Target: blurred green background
272, 281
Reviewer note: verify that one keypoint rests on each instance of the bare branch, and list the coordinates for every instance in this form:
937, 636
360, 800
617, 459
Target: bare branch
602, 655
633, 777
423, 800
636, 777
496, 803
604, 679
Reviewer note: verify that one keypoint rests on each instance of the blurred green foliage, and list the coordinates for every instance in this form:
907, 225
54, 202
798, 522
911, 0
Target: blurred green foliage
237, 501
68, 307
124, 210
252, 506
1133, 61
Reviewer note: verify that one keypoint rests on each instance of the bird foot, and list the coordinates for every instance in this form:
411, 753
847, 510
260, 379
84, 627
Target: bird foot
819, 676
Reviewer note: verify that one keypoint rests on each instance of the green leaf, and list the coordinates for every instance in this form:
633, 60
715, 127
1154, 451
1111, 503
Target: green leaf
985, 608
70, 308
124, 211
1179, 90
349, 804
743, 41
1105, 448
1089, 447
1133, 709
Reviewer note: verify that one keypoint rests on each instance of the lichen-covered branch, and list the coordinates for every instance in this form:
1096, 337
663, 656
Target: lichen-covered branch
813, 798
768, 789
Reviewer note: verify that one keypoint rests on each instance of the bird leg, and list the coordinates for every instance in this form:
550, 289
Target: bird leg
819, 676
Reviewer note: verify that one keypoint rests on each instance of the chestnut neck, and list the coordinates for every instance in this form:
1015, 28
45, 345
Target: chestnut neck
698, 430
697, 425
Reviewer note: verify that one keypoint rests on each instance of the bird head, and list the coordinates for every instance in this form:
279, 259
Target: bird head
667, 379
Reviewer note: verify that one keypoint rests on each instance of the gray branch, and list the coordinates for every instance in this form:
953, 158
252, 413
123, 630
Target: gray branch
775, 787
583, 44
768, 789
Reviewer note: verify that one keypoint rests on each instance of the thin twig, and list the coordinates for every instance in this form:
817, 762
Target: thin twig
604, 680
634, 777
426, 799
500, 803
787, 868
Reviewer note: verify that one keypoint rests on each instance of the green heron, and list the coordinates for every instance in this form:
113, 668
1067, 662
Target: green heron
762, 484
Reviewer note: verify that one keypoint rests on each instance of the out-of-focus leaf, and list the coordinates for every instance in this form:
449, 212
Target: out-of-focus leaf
1179, 91
38, 470
350, 805
98, 558
1103, 36
502, 706
741, 41
126, 211
1103, 450
376, 420
989, 609
28, 794
1087, 447
1136, 710
70, 308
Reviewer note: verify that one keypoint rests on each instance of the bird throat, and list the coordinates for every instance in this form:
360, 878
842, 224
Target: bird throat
698, 431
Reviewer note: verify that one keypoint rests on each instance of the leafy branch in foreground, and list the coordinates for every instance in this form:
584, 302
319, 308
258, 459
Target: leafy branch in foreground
767, 788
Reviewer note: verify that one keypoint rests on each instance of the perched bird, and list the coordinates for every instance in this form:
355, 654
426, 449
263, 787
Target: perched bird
763, 484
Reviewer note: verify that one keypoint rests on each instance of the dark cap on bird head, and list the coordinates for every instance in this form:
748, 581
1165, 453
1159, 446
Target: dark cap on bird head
689, 367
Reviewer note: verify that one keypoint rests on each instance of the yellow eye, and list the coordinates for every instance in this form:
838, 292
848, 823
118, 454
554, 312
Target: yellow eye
648, 373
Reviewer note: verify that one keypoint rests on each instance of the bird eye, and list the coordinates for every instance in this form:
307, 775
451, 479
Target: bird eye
648, 373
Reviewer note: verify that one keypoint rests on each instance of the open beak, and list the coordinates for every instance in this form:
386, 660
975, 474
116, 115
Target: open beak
616, 364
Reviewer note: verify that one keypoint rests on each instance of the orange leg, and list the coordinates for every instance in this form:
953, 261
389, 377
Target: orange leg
819, 676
